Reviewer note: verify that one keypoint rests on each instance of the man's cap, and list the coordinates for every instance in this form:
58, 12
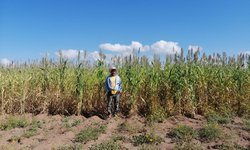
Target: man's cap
112, 68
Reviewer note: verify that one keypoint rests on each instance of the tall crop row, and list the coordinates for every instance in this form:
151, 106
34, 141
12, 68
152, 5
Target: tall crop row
151, 87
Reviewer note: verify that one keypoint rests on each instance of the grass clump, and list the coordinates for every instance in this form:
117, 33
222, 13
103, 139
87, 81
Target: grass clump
75, 123
146, 139
148, 147
13, 122
129, 127
67, 123
220, 119
182, 133
246, 122
14, 139
108, 145
157, 115
31, 132
90, 133
188, 146
32, 129
210, 132
119, 138
67, 147
228, 147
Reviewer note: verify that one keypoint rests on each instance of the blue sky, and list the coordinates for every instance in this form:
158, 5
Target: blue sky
30, 28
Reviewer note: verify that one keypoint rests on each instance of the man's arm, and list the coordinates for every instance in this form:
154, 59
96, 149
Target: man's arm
107, 85
120, 85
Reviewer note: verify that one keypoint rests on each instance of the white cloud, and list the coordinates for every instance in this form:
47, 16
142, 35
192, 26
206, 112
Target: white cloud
159, 47
247, 53
93, 55
165, 47
90, 55
5, 62
195, 48
137, 45
124, 49
115, 47
70, 54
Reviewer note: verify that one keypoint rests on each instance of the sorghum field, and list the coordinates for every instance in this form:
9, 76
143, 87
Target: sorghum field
196, 101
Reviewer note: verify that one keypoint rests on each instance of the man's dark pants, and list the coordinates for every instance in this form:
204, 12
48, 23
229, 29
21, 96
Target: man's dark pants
113, 99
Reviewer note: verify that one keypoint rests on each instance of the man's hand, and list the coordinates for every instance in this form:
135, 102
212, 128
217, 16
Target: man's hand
119, 92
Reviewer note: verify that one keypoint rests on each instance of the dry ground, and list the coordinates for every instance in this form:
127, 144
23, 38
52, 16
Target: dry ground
58, 132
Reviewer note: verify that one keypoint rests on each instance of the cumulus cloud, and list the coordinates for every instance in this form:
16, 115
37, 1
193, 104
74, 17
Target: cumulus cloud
117, 49
137, 45
165, 47
90, 55
124, 49
69, 54
93, 55
5, 62
159, 47
195, 48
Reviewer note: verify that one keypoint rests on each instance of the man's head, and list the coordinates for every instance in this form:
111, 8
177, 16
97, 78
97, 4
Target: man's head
113, 71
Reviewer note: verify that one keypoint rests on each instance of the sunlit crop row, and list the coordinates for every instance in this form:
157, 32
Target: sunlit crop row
154, 88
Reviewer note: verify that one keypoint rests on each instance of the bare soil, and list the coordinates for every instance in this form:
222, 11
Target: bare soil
57, 131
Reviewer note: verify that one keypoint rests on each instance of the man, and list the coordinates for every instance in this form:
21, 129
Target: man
113, 87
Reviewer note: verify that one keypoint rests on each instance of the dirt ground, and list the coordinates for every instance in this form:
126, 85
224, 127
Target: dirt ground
58, 131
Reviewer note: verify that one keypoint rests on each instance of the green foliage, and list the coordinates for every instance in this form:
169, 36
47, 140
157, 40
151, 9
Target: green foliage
157, 115
13, 122
210, 132
128, 127
32, 130
68, 123
15, 139
182, 133
148, 147
108, 145
74, 147
188, 146
146, 139
228, 147
152, 88
90, 133
65, 122
75, 123
216, 118
246, 122
119, 138
36, 124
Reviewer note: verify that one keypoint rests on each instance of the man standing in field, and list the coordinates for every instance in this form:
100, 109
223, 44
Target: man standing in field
113, 87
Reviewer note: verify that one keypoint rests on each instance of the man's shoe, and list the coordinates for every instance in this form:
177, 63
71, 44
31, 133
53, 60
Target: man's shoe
109, 117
